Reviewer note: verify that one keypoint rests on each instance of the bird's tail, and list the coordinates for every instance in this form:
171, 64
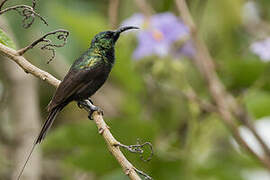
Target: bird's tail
48, 123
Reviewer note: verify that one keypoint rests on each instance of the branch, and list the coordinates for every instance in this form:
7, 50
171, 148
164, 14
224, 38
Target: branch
139, 148
113, 13
61, 35
28, 12
191, 95
2, 4
103, 129
225, 102
188, 93
144, 7
27, 66
245, 118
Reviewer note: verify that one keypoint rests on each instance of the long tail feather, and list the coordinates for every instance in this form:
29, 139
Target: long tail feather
24, 165
48, 123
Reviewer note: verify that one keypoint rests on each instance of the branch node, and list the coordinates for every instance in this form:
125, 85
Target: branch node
127, 171
100, 131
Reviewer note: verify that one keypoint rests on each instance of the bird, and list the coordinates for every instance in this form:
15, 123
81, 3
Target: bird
86, 75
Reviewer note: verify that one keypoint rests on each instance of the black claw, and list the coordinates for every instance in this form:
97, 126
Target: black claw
89, 104
95, 108
79, 104
90, 115
91, 101
99, 110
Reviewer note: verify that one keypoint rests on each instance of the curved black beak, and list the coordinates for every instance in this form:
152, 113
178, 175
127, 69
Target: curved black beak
122, 29
125, 28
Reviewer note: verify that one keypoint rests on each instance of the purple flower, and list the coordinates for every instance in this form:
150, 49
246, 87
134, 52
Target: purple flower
157, 35
262, 49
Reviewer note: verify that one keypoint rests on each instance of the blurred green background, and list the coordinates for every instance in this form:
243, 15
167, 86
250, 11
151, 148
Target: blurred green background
142, 99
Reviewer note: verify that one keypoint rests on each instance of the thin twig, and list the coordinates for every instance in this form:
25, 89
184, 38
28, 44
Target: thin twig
146, 177
113, 13
103, 129
2, 4
243, 116
224, 101
60, 35
188, 93
144, 7
139, 148
193, 97
33, 4
29, 14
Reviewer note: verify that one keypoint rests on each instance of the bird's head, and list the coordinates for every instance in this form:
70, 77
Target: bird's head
107, 39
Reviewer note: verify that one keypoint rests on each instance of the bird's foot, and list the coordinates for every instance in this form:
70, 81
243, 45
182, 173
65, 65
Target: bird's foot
81, 104
93, 109
90, 106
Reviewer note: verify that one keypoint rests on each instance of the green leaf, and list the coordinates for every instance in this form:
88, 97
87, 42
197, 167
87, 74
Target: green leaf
4, 39
257, 102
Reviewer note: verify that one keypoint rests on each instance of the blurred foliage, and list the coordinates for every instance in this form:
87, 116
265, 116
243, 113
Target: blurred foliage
4, 39
189, 144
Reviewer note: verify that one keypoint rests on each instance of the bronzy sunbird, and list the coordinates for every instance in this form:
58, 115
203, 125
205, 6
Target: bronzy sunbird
87, 74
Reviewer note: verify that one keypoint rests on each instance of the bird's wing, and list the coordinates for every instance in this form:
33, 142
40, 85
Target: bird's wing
75, 79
